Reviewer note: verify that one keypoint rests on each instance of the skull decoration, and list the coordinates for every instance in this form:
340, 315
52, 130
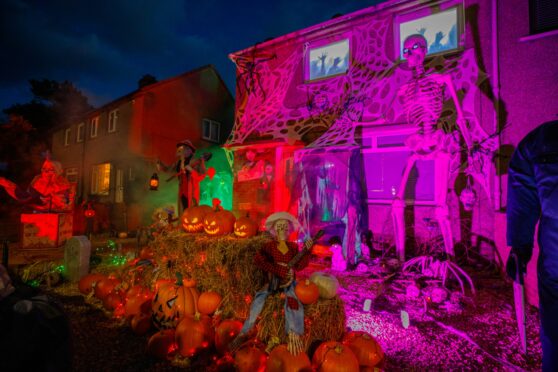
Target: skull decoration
192, 218
468, 197
244, 227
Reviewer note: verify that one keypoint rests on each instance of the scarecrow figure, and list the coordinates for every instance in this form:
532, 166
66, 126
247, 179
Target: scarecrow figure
189, 172
274, 258
48, 192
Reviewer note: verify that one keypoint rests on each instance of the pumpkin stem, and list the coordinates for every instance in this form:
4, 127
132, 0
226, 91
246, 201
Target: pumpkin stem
179, 279
217, 205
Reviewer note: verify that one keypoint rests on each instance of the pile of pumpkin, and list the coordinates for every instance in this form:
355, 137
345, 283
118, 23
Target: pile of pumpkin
188, 326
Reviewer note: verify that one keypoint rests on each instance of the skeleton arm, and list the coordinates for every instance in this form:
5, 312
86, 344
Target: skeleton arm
461, 121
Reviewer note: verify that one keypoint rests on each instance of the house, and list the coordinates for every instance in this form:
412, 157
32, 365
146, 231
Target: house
321, 105
112, 153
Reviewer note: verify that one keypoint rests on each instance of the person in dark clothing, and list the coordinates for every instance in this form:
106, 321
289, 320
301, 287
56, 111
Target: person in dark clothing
532, 199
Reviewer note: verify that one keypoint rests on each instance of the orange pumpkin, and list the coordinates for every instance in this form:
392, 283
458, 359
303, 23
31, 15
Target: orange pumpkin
332, 356
141, 323
162, 345
194, 333
113, 300
172, 301
138, 300
244, 227
367, 350
209, 302
250, 359
192, 218
88, 282
281, 360
219, 222
105, 286
307, 292
146, 253
225, 332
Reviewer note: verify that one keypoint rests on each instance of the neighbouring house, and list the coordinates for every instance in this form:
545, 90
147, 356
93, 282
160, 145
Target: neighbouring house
320, 108
112, 153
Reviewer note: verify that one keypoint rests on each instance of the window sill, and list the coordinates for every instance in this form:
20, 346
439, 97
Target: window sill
538, 36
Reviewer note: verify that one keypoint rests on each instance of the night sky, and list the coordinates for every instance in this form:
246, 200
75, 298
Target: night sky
104, 46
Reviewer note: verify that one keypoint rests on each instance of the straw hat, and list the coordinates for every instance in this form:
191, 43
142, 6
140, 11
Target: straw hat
186, 143
270, 221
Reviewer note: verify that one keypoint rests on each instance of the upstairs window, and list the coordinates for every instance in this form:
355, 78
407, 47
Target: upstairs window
94, 126
67, 134
113, 118
324, 61
100, 179
80, 132
210, 130
543, 16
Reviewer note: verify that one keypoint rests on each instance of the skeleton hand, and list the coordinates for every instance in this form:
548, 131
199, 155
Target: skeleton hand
294, 344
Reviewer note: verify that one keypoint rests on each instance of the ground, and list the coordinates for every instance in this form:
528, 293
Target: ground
481, 335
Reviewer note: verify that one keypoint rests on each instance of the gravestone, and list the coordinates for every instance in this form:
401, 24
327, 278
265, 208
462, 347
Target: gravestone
77, 251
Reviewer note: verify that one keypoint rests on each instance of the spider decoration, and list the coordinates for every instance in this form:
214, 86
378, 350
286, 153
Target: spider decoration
249, 75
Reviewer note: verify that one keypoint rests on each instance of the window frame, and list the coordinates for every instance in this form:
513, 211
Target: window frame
94, 130
112, 120
209, 122
80, 132
321, 43
94, 184
67, 136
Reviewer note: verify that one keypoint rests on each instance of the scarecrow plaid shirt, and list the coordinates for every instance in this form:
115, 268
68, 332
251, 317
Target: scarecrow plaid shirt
268, 257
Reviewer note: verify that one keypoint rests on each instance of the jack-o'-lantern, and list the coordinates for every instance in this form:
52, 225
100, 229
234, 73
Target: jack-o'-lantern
219, 222
244, 227
172, 301
192, 218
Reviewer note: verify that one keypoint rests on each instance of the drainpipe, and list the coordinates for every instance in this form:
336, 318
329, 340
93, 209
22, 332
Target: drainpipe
496, 95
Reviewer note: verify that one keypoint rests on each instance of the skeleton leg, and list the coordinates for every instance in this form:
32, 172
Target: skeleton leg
398, 210
441, 174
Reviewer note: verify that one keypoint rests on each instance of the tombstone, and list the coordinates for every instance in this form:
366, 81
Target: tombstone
77, 251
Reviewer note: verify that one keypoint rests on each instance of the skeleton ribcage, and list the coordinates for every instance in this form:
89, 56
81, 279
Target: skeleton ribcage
422, 101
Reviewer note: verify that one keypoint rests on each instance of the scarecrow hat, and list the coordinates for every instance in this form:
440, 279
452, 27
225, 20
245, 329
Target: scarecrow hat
270, 221
186, 143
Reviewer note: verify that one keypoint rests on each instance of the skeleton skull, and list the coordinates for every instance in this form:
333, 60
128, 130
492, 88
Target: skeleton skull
414, 50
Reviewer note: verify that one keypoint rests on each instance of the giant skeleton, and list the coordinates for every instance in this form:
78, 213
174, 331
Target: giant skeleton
423, 98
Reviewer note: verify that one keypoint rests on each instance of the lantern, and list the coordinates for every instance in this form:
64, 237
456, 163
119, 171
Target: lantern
154, 182
89, 212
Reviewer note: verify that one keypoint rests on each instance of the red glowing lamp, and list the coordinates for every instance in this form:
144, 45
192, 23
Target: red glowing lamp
89, 212
154, 182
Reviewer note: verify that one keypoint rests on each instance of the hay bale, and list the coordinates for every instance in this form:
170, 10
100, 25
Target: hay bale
226, 265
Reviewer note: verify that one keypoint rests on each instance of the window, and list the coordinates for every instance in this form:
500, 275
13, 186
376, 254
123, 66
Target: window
327, 60
210, 130
80, 132
385, 160
72, 175
100, 179
67, 134
94, 126
543, 15
113, 118
442, 29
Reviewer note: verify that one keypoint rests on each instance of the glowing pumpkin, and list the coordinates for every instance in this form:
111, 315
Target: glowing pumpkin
367, 350
193, 334
333, 356
209, 302
244, 227
172, 301
192, 218
162, 345
225, 332
307, 292
219, 222
281, 360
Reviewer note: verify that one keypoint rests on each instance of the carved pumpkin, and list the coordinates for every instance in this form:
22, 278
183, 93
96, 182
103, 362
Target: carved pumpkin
141, 323
194, 333
225, 332
88, 282
281, 360
219, 222
366, 349
327, 284
192, 218
250, 359
162, 345
307, 292
105, 286
172, 301
332, 356
244, 227
209, 302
